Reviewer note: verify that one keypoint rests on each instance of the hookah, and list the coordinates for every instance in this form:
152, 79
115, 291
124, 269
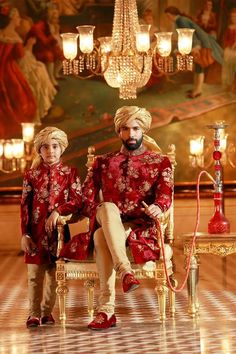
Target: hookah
218, 224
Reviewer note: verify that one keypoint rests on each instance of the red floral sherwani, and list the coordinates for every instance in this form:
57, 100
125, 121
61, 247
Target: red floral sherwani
46, 188
127, 180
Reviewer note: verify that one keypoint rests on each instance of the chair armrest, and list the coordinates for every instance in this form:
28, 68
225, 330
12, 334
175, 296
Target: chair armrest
61, 221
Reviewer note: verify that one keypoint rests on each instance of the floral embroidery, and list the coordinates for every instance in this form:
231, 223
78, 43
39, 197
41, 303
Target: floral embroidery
36, 214
168, 176
133, 172
120, 184
154, 172
145, 187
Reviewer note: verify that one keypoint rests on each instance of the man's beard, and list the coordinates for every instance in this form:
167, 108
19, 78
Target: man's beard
132, 146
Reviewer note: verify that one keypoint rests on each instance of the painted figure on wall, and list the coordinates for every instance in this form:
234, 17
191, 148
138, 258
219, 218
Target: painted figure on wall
47, 47
205, 49
207, 19
229, 64
17, 100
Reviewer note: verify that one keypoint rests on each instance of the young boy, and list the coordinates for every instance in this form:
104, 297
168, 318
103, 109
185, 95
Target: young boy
50, 189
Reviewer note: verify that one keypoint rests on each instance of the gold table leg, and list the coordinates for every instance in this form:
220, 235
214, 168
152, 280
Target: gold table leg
193, 305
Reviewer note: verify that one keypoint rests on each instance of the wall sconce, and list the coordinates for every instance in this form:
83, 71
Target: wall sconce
196, 146
200, 150
16, 154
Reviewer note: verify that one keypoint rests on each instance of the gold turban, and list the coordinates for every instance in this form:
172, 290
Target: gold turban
127, 114
43, 137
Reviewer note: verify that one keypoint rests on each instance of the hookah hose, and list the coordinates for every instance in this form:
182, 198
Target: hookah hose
177, 290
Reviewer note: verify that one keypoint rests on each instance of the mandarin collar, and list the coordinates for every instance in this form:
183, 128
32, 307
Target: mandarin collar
136, 152
55, 166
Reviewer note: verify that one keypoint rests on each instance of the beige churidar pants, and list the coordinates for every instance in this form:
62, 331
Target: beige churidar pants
41, 288
111, 257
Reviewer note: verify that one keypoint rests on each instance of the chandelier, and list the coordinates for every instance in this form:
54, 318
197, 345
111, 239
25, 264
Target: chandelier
125, 59
16, 154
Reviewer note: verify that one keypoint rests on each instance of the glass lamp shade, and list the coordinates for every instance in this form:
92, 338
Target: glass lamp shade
69, 45
105, 44
185, 39
143, 38
18, 148
223, 140
196, 145
28, 132
86, 38
1, 147
164, 43
8, 149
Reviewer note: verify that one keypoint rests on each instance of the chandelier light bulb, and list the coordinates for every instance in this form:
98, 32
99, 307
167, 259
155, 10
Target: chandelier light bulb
197, 145
86, 38
143, 38
1, 147
18, 148
185, 39
28, 132
164, 43
69, 45
8, 149
105, 44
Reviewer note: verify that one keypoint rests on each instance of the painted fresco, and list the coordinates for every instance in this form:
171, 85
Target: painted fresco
85, 108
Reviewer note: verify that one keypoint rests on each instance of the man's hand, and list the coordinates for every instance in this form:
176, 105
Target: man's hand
28, 245
51, 222
152, 210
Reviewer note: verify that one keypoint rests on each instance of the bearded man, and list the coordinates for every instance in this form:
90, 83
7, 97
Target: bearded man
113, 192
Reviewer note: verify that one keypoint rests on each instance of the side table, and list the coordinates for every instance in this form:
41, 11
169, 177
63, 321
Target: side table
219, 244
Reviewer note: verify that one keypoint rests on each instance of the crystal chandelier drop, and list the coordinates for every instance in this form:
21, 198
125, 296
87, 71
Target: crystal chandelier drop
125, 60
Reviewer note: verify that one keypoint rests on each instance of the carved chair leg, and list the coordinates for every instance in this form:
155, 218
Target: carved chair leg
162, 291
172, 296
61, 290
193, 305
90, 285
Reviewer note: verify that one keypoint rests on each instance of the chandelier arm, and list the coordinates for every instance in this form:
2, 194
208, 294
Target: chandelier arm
210, 161
162, 72
231, 163
85, 77
8, 171
136, 64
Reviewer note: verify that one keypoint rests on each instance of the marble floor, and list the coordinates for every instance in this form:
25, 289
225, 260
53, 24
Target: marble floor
138, 330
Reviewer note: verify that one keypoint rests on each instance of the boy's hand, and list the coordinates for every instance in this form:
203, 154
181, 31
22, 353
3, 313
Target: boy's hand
28, 245
51, 222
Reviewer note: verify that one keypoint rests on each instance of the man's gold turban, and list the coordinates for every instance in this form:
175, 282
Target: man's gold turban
44, 136
129, 113
126, 114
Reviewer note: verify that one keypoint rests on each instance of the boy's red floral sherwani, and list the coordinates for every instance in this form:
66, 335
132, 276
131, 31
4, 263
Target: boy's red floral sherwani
47, 188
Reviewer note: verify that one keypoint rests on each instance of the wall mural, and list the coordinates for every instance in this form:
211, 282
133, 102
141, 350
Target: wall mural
32, 87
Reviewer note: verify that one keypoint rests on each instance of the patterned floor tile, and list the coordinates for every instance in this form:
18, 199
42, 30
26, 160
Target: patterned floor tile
138, 328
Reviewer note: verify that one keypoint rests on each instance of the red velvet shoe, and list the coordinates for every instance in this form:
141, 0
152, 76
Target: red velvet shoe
32, 321
102, 322
130, 283
47, 320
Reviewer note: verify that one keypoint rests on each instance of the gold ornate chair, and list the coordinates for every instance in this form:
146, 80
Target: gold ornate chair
87, 270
